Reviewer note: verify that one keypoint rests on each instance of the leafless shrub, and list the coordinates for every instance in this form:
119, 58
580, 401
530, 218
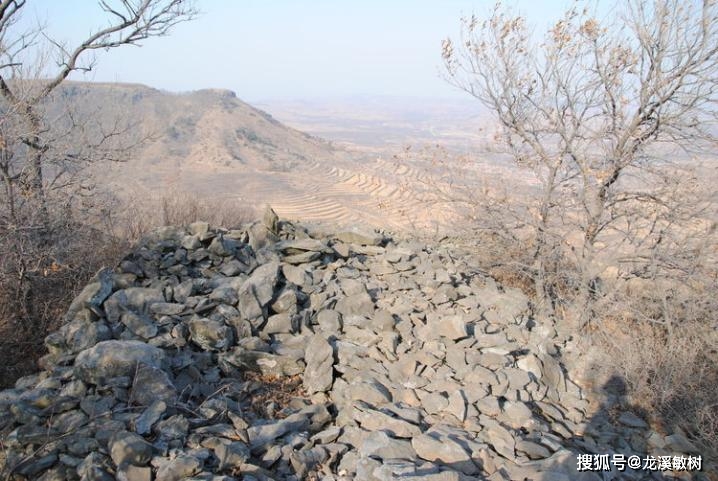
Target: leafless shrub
672, 376
610, 118
39, 280
131, 219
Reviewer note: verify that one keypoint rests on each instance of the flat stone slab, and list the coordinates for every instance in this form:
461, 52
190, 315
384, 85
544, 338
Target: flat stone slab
112, 359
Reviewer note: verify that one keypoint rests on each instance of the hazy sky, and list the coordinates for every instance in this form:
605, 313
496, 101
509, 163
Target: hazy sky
265, 49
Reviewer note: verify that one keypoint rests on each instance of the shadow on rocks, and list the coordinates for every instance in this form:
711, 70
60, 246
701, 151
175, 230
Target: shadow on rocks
618, 444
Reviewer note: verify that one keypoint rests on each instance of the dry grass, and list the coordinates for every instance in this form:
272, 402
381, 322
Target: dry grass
659, 334
133, 217
673, 376
39, 278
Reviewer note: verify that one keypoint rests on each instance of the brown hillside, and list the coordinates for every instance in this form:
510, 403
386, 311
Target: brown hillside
212, 144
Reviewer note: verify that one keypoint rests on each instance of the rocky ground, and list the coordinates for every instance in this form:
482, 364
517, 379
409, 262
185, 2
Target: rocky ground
286, 352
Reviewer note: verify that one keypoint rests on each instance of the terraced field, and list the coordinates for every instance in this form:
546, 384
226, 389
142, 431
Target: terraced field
351, 188
379, 192
373, 192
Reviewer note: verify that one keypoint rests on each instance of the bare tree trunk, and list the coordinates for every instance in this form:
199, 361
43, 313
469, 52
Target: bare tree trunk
5, 158
34, 179
586, 283
543, 294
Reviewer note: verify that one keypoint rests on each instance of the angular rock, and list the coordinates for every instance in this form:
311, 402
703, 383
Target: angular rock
179, 468
261, 436
211, 335
532, 450
383, 321
229, 453
457, 405
259, 361
371, 392
129, 448
434, 402
151, 384
302, 258
359, 304
286, 301
307, 459
148, 418
374, 420
453, 327
175, 427
225, 294
136, 299
140, 324
329, 321
433, 446
498, 437
95, 467
257, 291
380, 445
271, 220
360, 236
93, 295
530, 364
167, 308
199, 228
112, 359
34, 466
131, 472
297, 275
297, 246
319, 373
515, 414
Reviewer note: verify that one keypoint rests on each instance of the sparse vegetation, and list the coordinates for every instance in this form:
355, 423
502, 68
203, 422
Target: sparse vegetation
611, 119
140, 216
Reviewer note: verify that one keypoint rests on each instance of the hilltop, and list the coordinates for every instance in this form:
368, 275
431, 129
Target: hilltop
209, 127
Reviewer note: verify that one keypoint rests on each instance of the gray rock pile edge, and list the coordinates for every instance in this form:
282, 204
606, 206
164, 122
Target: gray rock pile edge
398, 361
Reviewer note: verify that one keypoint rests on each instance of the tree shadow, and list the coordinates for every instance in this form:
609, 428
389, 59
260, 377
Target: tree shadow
616, 444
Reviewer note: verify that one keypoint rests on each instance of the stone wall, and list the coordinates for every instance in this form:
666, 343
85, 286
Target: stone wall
284, 352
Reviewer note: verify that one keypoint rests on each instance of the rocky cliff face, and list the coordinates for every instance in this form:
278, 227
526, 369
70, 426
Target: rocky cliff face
282, 352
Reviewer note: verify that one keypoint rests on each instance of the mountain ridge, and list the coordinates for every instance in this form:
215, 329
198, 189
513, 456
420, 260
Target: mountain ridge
205, 126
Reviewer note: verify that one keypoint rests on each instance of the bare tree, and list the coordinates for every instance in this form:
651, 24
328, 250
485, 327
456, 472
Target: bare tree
608, 114
28, 78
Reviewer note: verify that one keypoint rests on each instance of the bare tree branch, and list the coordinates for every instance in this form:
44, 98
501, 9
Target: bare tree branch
591, 106
143, 19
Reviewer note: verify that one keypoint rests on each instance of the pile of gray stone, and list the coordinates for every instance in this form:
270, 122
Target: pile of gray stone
409, 364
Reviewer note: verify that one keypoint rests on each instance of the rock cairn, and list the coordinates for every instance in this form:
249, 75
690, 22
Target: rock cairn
384, 360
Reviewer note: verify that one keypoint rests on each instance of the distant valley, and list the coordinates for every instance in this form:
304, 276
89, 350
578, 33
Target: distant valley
378, 123
212, 144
